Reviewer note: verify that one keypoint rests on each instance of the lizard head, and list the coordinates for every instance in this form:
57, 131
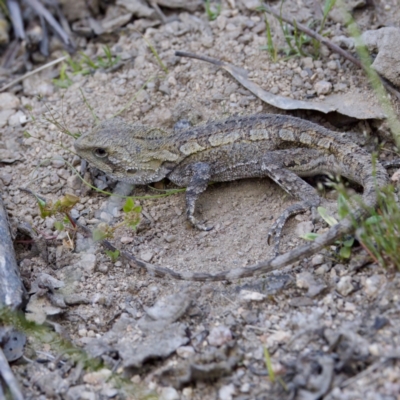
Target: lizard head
137, 154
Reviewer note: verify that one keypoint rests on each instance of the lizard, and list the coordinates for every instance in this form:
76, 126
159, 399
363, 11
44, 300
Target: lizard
281, 147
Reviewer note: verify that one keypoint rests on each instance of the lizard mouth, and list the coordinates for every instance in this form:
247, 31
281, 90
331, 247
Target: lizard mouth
131, 171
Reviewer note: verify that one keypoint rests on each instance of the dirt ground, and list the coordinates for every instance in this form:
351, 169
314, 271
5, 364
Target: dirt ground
330, 327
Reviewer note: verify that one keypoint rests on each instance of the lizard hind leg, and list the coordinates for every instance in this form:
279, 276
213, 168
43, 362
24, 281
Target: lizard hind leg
296, 187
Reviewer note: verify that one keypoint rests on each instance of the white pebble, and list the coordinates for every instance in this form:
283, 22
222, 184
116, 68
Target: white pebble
226, 392
169, 393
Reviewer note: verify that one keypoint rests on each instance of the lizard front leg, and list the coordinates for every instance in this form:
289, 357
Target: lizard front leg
200, 176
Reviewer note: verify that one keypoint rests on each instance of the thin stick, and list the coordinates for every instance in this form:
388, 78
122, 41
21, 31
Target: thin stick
9, 378
28, 74
335, 48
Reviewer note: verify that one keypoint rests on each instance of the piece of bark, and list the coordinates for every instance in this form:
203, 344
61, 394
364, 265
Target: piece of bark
11, 288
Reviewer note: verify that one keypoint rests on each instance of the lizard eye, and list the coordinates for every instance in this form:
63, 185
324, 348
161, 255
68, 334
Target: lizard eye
100, 152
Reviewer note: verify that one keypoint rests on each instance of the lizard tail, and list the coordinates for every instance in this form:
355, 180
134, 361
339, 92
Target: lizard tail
334, 233
375, 178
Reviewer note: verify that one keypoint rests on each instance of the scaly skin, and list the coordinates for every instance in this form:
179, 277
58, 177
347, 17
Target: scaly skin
283, 148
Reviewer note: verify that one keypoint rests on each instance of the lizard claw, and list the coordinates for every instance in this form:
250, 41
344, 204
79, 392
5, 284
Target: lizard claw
275, 233
199, 225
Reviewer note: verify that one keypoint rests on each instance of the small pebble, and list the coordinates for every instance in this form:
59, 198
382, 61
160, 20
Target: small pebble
170, 238
318, 259
247, 295
97, 377
82, 332
307, 62
219, 335
226, 392
245, 388
303, 227
187, 393
274, 90
103, 268
304, 280
4, 116
332, 65
322, 87
6, 178
185, 351
8, 101
17, 119
88, 262
373, 284
345, 286
146, 256
169, 393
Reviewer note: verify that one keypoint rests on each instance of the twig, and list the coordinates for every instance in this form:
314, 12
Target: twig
200, 57
335, 48
11, 287
363, 374
9, 378
35, 71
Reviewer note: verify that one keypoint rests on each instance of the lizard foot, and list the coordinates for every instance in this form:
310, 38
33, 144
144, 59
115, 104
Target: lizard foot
275, 231
199, 225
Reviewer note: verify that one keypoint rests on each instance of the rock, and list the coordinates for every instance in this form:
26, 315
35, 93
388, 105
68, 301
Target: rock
278, 337
274, 90
303, 228
307, 62
373, 284
344, 41
247, 295
251, 4
387, 42
322, 87
88, 262
304, 280
4, 116
340, 87
38, 85
332, 65
164, 116
74, 182
6, 178
169, 393
164, 88
126, 239
170, 238
245, 388
146, 256
57, 161
79, 392
97, 377
8, 101
207, 41
318, 259
51, 384
185, 351
226, 392
323, 269
219, 335
345, 286
17, 119
103, 268
297, 81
